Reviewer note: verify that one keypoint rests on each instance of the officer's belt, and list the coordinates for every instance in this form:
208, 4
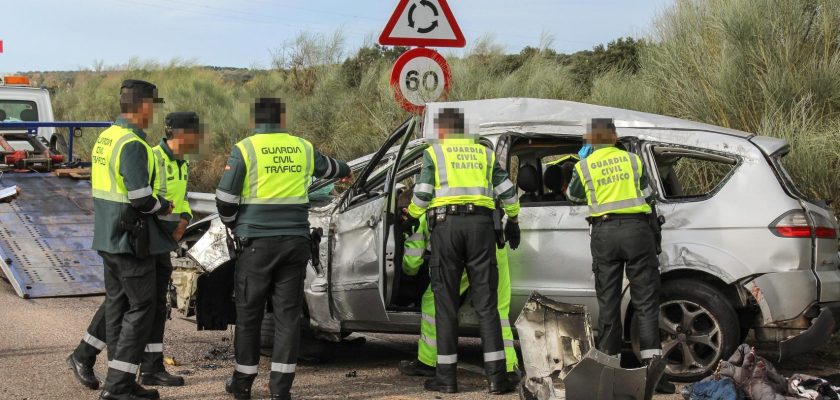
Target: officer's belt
614, 217
463, 209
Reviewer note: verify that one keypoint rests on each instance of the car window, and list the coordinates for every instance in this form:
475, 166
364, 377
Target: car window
691, 173
18, 111
537, 164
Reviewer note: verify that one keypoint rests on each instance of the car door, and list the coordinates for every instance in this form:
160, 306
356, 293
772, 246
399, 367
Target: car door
553, 257
358, 235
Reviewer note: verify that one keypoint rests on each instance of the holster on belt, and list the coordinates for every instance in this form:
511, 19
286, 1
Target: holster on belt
234, 244
134, 223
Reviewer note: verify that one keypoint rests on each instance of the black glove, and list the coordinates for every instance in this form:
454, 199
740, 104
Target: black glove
410, 224
512, 234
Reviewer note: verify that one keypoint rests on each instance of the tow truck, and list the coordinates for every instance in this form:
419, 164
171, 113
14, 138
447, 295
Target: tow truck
46, 233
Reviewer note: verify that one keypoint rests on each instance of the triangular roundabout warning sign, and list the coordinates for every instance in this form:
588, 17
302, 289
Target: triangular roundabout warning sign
427, 23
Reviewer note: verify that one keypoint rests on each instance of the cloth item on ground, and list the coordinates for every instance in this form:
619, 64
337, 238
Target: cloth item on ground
723, 389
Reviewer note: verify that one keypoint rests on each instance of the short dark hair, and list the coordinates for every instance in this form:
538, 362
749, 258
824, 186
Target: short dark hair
450, 118
268, 110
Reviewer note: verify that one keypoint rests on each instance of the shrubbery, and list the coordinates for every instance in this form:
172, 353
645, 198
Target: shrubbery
771, 67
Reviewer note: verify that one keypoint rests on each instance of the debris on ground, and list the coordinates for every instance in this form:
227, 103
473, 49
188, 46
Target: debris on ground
747, 375
169, 361
351, 374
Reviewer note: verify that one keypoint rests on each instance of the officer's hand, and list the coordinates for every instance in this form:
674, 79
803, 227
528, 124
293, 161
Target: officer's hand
349, 178
512, 233
410, 224
179, 231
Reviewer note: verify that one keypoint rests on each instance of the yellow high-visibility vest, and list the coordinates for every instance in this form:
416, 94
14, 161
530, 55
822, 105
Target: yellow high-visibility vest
463, 173
278, 168
611, 178
171, 183
105, 175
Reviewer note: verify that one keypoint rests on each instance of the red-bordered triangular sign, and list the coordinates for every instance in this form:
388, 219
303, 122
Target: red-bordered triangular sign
427, 23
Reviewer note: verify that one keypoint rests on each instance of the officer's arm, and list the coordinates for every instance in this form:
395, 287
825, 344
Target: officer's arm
424, 188
415, 247
575, 191
329, 168
505, 190
135, 174
230, 187
644, 186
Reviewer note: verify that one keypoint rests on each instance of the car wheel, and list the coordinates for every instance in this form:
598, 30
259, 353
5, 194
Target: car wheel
698, 328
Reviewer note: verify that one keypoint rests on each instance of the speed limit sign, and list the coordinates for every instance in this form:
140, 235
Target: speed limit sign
420, 76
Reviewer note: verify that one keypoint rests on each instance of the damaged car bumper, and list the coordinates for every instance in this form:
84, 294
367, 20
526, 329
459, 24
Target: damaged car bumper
821, 329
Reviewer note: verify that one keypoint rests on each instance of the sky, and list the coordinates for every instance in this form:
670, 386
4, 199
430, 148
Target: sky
48, 35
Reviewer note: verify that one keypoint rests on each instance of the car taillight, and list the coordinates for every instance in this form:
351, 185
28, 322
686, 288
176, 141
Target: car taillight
795, 224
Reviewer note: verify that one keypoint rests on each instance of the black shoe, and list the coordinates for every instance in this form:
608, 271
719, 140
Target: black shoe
433, 385
160, 378
137, 393
665, 387
415, 368
84, 373
239, 390
287, 396
502, 387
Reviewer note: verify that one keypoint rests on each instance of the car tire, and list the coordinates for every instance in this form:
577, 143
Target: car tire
694, 319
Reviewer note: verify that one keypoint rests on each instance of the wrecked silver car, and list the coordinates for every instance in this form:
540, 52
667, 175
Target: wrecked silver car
742, 248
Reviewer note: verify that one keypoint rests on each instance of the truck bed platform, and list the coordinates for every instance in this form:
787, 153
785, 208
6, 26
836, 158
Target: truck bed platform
46, 236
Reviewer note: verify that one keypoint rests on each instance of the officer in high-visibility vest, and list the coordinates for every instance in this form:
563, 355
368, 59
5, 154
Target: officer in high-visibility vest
458, 182
182, 139
416, 246
263, 197
614, 185
128, 236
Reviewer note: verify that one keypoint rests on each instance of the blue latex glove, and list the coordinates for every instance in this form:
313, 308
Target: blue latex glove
585, 151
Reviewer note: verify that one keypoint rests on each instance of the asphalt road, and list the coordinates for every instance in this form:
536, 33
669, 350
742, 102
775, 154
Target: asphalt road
37, 335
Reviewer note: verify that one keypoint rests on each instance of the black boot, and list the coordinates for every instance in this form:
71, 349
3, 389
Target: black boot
415, 368
434, 385
84, 373
665, 387
286, 396
503, 386
656, 381
241, 390
161, 378
137, 393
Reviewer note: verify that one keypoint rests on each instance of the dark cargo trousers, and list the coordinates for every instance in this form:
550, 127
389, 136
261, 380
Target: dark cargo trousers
466, 241
129, 315
626, 246
94, 340
270, 268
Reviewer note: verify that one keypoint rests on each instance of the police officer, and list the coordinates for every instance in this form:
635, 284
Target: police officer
457, 183
262, 196
182, 138
416, 246
128, 237
615, 186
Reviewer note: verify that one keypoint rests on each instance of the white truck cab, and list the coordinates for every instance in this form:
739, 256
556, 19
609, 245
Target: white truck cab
21, 103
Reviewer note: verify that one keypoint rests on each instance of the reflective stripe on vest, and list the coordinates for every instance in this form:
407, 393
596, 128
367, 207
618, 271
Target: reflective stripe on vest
171, 183
444, 186
106, 182
279, 168
609, 187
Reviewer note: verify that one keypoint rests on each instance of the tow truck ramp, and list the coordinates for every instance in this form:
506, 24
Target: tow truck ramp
46, 236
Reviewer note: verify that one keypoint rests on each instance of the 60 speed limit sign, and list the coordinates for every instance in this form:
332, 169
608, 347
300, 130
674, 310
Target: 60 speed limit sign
420, 76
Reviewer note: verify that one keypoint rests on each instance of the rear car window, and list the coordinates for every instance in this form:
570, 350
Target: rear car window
18, 111
687, 173
787, 179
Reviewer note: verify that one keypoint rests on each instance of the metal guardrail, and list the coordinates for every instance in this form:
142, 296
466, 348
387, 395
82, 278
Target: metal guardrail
202, 203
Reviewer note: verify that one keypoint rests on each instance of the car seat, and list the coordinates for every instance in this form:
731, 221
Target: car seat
554, 180
529, 181
29, 115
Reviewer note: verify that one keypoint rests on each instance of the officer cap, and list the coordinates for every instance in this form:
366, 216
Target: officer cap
187, 120
139, 90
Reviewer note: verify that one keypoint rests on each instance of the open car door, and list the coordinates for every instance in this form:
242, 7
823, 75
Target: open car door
359, 233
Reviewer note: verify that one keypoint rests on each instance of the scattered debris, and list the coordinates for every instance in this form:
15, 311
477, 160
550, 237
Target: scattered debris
351, 374
169, 361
